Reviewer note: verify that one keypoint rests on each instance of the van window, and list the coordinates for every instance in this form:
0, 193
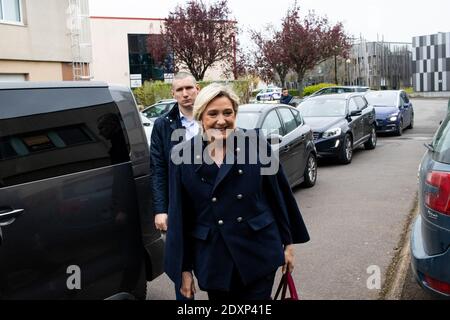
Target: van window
441, 142
52, 144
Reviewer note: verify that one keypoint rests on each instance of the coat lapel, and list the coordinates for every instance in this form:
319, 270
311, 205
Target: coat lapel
223, 172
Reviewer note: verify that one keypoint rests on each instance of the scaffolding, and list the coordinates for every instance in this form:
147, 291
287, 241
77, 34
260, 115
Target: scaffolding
78, 25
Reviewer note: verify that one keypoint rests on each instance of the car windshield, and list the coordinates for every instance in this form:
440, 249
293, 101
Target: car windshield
441, 142
155, 111
323, 108
382, 99
247, 120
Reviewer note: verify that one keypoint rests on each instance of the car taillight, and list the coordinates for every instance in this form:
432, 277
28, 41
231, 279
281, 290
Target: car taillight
438, 285
438, 199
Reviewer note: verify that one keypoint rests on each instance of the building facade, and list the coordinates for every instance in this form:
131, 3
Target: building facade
380, 65
120, 54
375, 64
45, 40
431, 63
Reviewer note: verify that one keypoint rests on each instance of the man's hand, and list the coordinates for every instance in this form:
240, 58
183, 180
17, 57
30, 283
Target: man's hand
187, 285
161, 221
288, 258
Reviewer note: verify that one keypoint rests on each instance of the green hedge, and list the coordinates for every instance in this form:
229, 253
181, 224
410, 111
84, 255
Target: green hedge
408, 90
311, 89
294, 92
152, 92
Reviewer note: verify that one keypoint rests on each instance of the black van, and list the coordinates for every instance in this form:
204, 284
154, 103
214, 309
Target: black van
75, 205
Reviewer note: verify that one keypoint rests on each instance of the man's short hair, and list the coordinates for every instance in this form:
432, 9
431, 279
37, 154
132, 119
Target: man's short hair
184, 75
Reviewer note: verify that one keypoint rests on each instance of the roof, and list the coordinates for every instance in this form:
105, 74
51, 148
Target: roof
258, 107
383, 91
19, 99
351, 87
336, 96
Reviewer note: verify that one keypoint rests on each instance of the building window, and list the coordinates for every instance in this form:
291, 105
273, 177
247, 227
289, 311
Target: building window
10, 11
141, 62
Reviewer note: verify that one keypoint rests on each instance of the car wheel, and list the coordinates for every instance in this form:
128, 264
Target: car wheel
310, 174
346, 152
372, 142
411, 124
399, 131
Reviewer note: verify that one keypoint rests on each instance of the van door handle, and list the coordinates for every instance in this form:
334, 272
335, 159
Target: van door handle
6, 218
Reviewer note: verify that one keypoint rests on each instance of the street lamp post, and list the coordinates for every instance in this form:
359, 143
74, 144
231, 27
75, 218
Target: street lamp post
347, 66
335, 69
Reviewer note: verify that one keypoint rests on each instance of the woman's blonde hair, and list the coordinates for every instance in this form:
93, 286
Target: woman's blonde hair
211, 92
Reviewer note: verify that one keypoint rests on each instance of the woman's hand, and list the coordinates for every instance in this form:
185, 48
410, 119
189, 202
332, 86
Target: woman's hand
288, 258
187, 285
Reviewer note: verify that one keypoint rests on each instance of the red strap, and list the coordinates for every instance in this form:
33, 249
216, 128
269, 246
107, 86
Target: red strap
286, 282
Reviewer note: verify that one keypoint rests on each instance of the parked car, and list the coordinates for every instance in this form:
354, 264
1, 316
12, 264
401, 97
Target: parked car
338, 90
285, 125
76, 221
270, 93
295, 102
148, 127
341, 123
394, 111
155, 110
430, 237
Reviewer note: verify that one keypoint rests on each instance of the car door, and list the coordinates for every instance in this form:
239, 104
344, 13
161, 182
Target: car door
295, 143
367, 115
67, 205
406, 109
272, 125
356, 123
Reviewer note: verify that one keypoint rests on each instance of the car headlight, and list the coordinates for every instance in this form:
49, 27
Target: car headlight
393, 117
335, 132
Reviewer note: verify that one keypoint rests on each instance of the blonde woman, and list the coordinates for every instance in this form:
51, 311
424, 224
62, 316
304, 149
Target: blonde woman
229, 225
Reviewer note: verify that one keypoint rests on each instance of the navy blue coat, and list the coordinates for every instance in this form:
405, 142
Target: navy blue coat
160, 147
286, 99
239, 220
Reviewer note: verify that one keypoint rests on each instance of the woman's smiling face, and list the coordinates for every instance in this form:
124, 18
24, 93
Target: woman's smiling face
219, 118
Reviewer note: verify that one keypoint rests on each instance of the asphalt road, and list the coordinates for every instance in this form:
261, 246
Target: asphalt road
355, 215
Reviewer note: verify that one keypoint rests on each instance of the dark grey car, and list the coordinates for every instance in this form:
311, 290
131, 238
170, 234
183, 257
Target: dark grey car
75, 209
430, 236
341, 123
285, 125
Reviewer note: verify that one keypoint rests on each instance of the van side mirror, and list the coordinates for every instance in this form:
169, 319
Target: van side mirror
355, 113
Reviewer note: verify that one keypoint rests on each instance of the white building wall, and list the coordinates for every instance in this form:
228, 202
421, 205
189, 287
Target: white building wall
44, 35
